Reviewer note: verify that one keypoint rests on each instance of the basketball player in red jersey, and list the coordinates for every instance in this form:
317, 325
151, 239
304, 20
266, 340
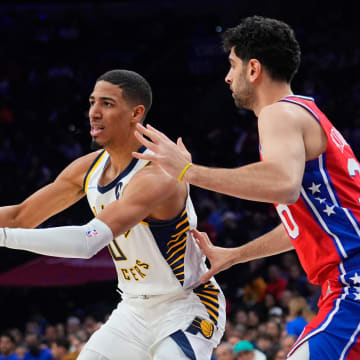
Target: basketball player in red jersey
307, 170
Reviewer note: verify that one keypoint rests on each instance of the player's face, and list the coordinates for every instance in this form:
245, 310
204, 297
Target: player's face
110, 115
245, 355
242, 90
222, 353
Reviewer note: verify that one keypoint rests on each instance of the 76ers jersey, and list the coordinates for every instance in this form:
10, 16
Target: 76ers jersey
153, 257
324, 222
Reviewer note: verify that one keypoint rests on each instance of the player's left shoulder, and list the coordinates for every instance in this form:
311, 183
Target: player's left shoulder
282, 110
284, 115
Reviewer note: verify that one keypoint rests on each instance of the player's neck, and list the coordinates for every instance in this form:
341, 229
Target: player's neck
270, 93
121, 156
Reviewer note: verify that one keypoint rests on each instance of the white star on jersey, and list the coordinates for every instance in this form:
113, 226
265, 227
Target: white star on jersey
356, 279
320, 200
357, 295
314, 188
329, 210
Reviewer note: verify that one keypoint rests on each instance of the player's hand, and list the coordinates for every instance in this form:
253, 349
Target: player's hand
171, 157
220, 258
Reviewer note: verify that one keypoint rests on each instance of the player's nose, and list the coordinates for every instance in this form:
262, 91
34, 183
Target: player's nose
228, 78
94, 112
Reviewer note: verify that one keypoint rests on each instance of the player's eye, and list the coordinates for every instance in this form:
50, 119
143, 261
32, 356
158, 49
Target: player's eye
108, 104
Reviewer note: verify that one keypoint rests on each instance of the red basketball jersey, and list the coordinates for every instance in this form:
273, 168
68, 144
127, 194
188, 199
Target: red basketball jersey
323, 223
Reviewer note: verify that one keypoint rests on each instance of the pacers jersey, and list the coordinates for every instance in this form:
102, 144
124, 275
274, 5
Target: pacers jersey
323, 223
153, 257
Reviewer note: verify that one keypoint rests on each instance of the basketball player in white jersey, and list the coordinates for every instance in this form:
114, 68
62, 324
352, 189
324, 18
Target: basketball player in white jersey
144, 217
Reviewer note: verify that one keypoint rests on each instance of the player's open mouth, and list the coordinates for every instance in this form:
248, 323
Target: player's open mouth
96, 130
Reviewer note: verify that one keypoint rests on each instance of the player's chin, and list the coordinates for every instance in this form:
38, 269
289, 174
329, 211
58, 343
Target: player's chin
95, 144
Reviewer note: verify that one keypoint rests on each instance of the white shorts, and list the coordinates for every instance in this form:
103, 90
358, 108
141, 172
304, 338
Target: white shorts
155, 327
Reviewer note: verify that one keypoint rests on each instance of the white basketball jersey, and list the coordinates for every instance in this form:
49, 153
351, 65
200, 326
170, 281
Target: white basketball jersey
153, 257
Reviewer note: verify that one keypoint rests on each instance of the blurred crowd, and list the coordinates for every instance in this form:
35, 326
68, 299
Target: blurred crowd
43, 341
265, 326
53, 55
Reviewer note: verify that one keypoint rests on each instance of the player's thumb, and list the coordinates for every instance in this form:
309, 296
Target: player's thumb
180, 144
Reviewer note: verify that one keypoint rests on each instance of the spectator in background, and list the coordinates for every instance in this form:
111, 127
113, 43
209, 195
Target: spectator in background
276, 283
297, 279
233, 339
77, 343
204, 224
20, 351
91, 325
299, 316
280, 355
60, 350
265, 343
287, 342
245, 350
50, 335
35, 349
7, 347
73, 325
225, 351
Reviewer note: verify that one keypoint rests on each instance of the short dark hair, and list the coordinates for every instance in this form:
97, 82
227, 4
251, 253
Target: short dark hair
270, 41
63, 342
135, 89
9, 336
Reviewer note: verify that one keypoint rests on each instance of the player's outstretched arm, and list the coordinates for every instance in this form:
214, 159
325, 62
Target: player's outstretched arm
276, 179
274, 242
51, 199
150, 193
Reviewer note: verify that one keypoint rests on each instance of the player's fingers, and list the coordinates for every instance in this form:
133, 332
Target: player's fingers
149, 133
207, 276
181, 145
183, 148
144, 156
202, 239
150, 145
156, 131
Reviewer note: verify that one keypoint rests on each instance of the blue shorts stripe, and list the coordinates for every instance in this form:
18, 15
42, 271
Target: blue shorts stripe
340, 334
180, 338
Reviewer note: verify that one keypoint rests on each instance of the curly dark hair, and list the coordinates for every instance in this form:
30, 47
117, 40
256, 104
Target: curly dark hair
135, 89
270, 41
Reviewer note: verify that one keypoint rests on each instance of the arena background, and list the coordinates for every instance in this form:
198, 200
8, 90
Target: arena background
51, 54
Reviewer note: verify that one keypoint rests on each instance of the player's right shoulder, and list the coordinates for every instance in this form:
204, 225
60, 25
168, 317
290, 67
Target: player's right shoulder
77, 170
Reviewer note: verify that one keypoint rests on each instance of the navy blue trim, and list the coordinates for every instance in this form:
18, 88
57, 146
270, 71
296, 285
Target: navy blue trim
90, 168
162, 230
180, 338
104, 189
301, 97
173, 221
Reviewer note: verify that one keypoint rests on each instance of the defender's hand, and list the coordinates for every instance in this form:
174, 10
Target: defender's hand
171, 157
220, 258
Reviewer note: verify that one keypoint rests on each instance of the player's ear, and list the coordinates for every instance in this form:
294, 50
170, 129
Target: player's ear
254, 69
138, 113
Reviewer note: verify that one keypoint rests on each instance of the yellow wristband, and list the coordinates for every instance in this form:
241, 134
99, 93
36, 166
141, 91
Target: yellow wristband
189, 165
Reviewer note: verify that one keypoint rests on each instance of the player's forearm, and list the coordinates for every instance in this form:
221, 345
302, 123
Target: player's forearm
272, 243
261, 181
67, 241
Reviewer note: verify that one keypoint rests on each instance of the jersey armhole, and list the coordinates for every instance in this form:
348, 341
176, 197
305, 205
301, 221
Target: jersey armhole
91, 169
